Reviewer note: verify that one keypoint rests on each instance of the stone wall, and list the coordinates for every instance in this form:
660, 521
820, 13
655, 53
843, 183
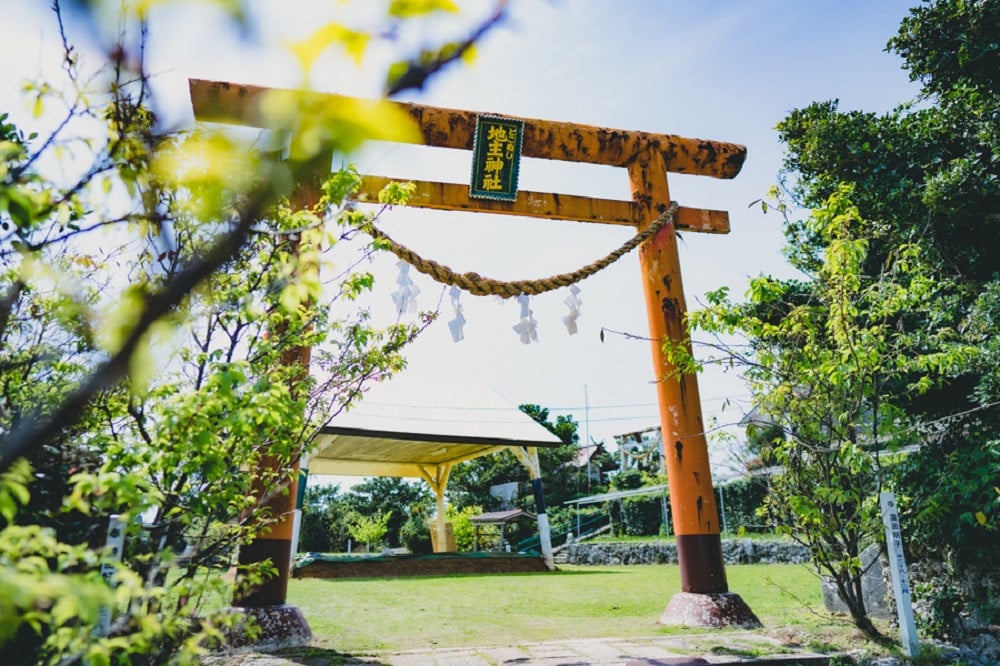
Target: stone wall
966, 587
876, 588
734, 551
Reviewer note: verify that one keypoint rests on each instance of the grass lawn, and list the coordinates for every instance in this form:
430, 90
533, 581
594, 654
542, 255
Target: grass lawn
381, 614
619, 538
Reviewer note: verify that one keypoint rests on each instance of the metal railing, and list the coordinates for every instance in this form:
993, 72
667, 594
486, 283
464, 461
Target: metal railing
581, 528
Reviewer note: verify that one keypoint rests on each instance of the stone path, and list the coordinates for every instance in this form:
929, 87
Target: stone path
659, 651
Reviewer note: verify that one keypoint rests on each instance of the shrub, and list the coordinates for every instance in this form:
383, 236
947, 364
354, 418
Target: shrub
742, 500
464, 530
415, 535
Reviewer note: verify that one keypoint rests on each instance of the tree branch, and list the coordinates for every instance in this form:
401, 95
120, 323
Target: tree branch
32, 434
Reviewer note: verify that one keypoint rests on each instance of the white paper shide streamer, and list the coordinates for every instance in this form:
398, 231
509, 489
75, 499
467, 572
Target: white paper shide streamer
527, 328
574, 303
405, 300
456, 324
405, 297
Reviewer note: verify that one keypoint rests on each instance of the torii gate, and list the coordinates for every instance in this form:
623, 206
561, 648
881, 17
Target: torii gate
704, 599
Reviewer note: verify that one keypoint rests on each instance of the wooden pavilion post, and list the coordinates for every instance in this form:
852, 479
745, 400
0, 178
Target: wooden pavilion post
437, 478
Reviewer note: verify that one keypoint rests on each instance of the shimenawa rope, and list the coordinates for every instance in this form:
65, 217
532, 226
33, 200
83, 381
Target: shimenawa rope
474, 283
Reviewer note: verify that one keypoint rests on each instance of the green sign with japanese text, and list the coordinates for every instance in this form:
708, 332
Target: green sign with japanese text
496, 158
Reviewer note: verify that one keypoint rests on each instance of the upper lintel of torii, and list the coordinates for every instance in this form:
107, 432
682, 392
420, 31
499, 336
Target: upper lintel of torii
218, 101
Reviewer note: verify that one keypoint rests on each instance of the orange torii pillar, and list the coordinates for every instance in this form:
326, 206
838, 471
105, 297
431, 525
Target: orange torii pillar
704, 599
281, 624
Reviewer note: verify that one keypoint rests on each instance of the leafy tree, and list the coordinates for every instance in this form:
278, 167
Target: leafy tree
215, 269
761, 441
464, 530
189, 450
47, 348
396, 498
325, 516
743, 499
369, 530
415, 534
823, 369
929, 173
630, 479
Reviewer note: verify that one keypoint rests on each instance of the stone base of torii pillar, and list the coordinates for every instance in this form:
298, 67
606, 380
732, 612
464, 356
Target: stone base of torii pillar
275, 627
724, 609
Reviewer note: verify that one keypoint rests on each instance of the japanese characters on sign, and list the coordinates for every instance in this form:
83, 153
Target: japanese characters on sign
900, 580
114, 546
894, 541
496, 158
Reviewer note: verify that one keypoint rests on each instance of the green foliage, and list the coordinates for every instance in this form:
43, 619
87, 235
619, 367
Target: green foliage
637, 516
743, 500
199, 449
944, 607
325, 518
951, 45
369, 530
629, 479
828, 364
564, 427
928, 175
411, 8
470, 481
963, 508
415, 535
397, 498
14, 489
463, 528
762, 439
154, 291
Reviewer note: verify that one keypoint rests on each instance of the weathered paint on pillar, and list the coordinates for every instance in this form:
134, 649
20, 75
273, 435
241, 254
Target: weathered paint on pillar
692, 499
276, 543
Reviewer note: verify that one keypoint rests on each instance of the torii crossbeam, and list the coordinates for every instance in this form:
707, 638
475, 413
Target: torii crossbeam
704, 599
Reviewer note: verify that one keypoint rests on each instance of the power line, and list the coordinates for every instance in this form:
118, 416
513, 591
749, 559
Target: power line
717, 398
578, 408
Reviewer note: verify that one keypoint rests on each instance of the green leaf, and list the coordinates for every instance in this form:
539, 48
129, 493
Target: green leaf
20, 208
396, 193
353, 42
8, 507
413, 8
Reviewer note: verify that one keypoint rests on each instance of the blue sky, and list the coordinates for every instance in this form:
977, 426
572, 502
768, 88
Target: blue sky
722, 70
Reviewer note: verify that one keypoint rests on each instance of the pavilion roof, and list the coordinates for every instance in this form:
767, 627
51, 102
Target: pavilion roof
408, 430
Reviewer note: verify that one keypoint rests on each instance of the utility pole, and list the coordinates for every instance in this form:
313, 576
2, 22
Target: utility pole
586, 423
